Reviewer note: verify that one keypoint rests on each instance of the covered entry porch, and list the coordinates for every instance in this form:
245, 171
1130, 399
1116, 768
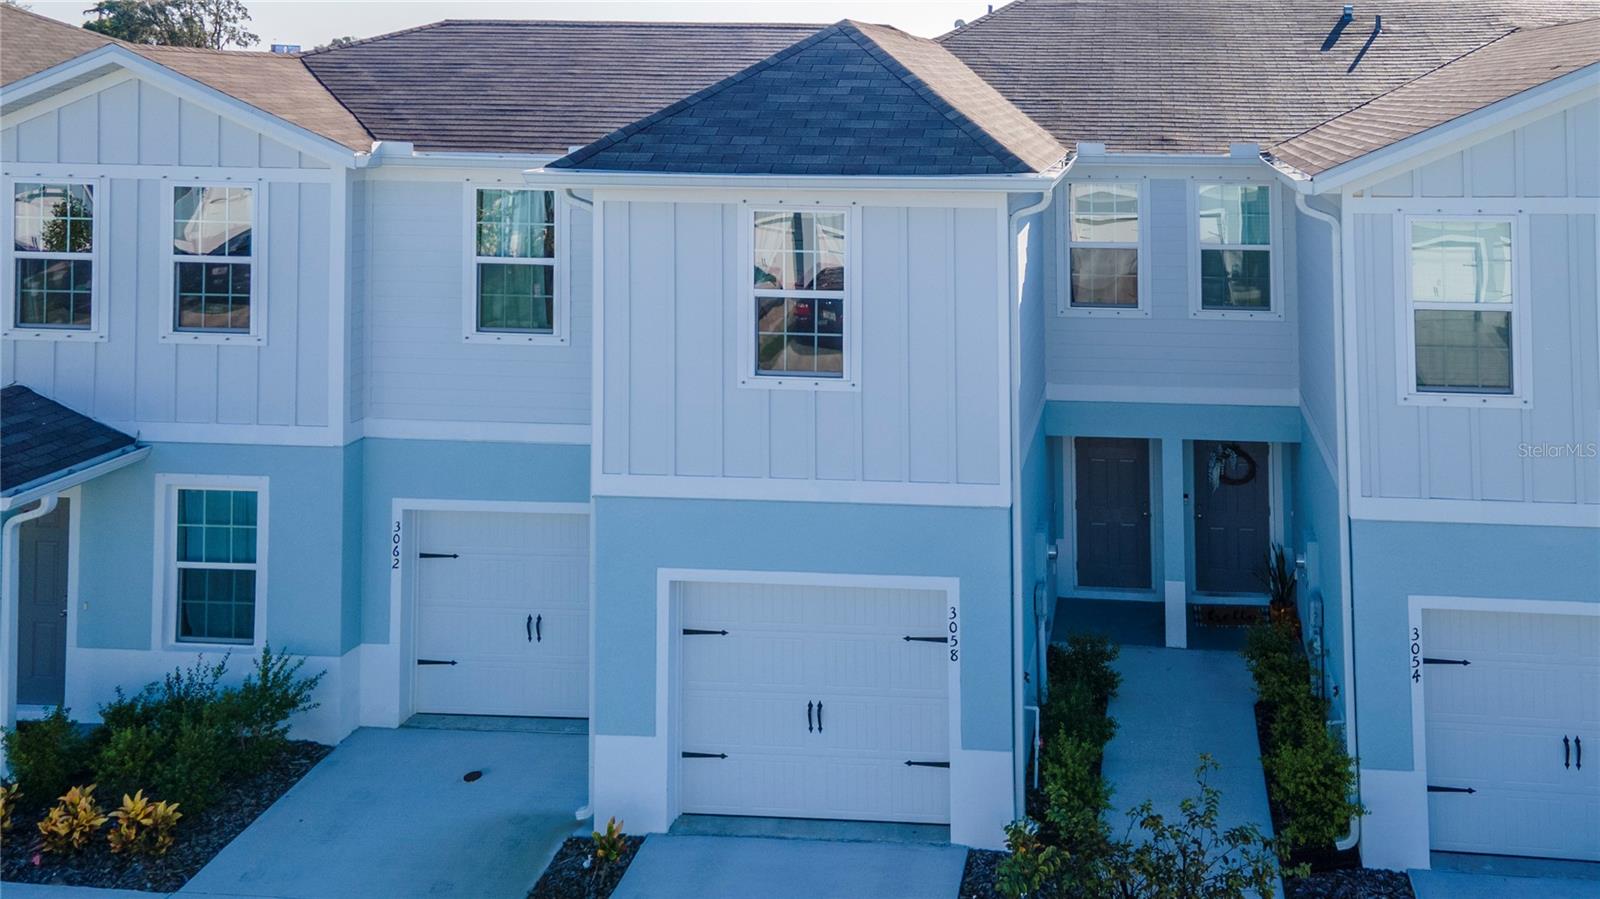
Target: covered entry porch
1166, 513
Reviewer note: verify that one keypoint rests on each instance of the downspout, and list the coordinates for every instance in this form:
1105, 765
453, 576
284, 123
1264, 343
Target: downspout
9, 607
1014, 302
586, 811
1346, 589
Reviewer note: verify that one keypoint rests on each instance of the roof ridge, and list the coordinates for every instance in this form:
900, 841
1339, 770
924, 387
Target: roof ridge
710, 90
582, 23
923, 87
1410, 81
1004, 7
378, 37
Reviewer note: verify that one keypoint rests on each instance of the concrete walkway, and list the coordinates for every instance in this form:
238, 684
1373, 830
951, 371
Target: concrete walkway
698, 867
387, 814
1173, 705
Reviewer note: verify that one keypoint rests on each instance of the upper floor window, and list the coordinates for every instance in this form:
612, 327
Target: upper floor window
1463, 306
799, 279
1235, 235
1103, 246
53, 257
212, 263
512, 274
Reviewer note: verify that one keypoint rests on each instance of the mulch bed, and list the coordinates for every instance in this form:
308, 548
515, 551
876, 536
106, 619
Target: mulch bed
199, 837
571, 876
1350, 883
978, 877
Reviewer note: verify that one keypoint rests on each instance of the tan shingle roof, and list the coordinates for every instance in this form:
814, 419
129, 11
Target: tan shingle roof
1498, 71
274, 83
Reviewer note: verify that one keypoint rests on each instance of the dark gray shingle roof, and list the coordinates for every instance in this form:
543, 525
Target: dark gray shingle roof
40, 437
853, 99
1194, 76
1503, 69
533, 87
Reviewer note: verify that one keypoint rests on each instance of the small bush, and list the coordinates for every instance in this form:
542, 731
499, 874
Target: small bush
9, 794
1033, 864
72, 821
610, 844
47, 756
143, 826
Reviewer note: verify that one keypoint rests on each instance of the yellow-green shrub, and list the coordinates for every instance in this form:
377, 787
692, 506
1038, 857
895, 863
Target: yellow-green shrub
8, 804
609, 846
72, 821
143, 826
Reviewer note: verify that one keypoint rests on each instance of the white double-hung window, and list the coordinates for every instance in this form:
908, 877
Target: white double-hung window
215, 552
1464, 326
512, 281
799, 320
1235, 249
53, 261
1103, 248
215, 292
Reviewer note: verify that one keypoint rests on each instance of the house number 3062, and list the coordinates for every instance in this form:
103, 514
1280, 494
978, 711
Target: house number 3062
955, 635
394, 548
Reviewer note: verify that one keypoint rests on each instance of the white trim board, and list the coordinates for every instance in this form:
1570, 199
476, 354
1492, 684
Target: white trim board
1472, 511
471, 431
800, 490
1197, 396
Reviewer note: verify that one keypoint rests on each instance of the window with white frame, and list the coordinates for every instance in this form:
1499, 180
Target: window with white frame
213, 260
217, 537
799, 280
1235, 233
53, 257
1103, 245
1463, 305
514, 263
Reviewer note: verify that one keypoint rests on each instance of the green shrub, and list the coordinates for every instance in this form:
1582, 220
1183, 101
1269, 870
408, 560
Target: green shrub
259, 710
1031, 868
47, 756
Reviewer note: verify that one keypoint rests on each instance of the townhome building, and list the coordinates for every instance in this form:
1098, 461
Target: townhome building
762, 393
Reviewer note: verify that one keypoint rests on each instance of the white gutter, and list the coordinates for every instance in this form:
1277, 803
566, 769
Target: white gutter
564, 178
1346, 589
1014, 305
9, 578
403, 153
87, 470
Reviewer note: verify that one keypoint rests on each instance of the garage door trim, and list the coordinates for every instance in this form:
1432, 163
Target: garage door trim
1418, 672
391, 700
669, 640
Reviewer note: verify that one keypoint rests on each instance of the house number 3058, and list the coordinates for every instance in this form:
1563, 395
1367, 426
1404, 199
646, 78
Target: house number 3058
955, 635
394, 548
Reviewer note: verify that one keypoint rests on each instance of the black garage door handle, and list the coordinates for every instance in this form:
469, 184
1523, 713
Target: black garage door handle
1577, 742
1566, 752
529, 627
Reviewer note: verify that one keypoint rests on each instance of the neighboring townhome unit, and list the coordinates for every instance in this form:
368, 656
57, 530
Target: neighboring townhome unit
762, 393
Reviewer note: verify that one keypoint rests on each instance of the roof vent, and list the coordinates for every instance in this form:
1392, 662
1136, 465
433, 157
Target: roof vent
1349, 11
286, 48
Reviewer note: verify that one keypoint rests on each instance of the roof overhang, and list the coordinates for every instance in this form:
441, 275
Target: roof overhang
72, 476
1515, 111
62, 82
1032, 182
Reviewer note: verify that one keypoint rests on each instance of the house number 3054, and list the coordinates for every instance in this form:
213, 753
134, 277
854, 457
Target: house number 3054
394, 548
1416, 656
955, 635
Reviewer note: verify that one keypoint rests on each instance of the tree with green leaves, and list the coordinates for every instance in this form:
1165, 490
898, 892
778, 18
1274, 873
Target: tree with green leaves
212, 24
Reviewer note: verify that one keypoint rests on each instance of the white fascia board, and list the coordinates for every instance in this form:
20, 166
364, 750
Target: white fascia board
72, 477
1501, 116
392, 154
563, 178
226, 105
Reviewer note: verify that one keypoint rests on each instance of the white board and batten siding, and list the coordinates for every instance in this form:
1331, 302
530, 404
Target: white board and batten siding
1165, 353
417, 366
927, 421
1540, 456
132, 379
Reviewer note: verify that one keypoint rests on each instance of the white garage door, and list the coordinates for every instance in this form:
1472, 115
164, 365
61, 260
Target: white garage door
809, 702
502, 614
1513, 735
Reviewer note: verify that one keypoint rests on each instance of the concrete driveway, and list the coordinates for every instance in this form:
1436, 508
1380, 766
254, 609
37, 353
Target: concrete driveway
387, 814
696, 867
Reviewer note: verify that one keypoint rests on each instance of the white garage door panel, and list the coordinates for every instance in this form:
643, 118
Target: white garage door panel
1496, 726
474, 609
883, 701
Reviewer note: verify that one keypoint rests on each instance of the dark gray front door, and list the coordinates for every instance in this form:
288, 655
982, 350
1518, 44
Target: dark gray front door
42, 612
1113, 503
1232, 522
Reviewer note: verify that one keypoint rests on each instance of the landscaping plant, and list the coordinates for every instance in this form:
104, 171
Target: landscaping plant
47, 756
1282, 586
72, 821
143, 826
609, 845
1033, 863
9, 794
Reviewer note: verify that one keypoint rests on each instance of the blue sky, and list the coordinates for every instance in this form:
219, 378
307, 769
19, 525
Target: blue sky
311, 22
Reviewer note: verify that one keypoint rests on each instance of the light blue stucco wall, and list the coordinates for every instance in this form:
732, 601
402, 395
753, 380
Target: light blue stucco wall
441, 469
305, 544
1395, 560
635, 537
1038, 534
1314, 493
